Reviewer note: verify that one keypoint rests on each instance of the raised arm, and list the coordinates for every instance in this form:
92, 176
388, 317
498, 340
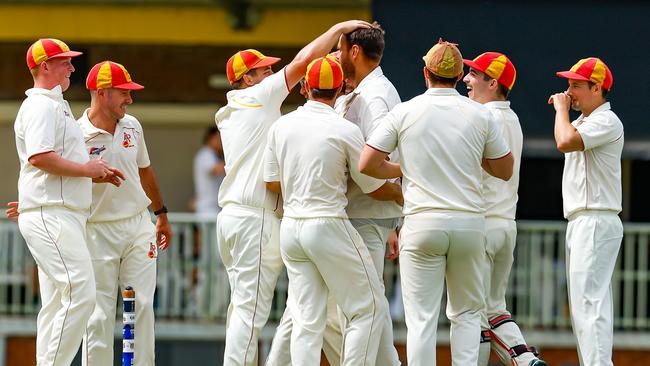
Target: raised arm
319, 47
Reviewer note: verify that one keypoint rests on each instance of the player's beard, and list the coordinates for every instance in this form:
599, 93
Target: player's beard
348, 69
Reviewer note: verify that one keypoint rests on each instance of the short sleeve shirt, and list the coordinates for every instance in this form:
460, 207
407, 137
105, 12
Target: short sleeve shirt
501, 196
441, 137
244, 124
312, 152
592, 178
45, 124
365, 106
125, 150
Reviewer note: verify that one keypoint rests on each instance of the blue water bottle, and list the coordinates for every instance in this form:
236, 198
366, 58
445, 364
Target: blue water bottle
128, 327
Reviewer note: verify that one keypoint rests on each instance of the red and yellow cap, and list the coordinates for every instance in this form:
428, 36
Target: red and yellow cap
590, 69
47, 48
109, 74
324, 73
495, 65
244, 61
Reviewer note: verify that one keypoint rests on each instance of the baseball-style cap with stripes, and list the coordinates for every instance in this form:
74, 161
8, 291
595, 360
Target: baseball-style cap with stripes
324, 73
109, 74
244, 61
47, 48
495, 65
590, 69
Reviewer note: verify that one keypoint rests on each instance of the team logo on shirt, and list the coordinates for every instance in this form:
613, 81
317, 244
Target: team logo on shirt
127, 140
96, 150
153, 251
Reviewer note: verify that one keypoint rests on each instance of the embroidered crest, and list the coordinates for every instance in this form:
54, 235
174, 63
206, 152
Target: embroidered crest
127, 140
153, 251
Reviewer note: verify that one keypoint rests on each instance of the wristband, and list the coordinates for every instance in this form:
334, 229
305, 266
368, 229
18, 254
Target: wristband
162, 210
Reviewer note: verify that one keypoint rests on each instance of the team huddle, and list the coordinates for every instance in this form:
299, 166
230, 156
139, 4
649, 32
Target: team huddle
328, 191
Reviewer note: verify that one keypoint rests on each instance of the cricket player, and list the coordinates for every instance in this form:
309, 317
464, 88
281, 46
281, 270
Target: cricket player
54, 195
591, 190
311, 153
489, 81
122, 241
442, 139
248, 225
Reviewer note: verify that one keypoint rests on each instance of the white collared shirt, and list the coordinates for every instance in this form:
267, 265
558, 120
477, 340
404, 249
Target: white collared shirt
126, 151
592, 178
501, 196
312, 152
45, 123
365, 106
244, 124
441, 137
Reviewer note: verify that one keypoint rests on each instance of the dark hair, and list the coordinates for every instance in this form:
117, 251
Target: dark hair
240, 83
327, 94
371, 41
501, 89
211, 131
603, 91
440, 80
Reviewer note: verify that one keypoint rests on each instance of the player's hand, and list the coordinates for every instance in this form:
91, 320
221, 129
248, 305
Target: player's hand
561, 101
115, 177
163, 232
12, 211
393, 246
96, 168
400, 199
351, 25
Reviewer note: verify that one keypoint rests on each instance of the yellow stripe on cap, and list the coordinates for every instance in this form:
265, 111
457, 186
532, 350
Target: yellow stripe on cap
599, 73
578, 64
38, 53
239, 66
127, 76
64, 47
326, 75
496, 67
104, 76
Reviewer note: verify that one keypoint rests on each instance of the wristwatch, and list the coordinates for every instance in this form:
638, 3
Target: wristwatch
162, 210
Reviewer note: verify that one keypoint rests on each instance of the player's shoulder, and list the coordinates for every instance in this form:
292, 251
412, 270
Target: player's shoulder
131, 122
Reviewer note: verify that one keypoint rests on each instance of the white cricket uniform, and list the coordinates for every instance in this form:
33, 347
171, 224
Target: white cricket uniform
312, 152
248, 226
372, 99
121, 241
501, 234
206, 184
441, 137
53, 212
591, 190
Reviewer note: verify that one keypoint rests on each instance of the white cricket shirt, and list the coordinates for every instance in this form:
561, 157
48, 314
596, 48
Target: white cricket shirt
441, 137
592, 178
126, 151
312, 152
206, 184
501, 196
371, 99
45, 123
244, 124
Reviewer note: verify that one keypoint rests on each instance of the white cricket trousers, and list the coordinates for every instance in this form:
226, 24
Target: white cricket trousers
248, 239
501, 238
435, 246
374, 237
123, 254
322, 256
56, 237
593, 239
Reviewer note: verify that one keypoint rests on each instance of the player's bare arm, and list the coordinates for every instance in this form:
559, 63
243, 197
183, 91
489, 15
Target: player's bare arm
319, 47
500, 168
567, 137
151, 188
53, 163
374, 163
388, 192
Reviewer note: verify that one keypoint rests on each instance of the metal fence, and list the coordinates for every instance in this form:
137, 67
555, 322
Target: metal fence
192, 290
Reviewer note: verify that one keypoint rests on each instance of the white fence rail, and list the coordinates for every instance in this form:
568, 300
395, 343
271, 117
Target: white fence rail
193, 287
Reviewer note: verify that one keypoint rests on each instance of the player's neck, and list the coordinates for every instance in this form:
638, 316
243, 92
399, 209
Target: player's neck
589, 109
363, 70
101, 119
